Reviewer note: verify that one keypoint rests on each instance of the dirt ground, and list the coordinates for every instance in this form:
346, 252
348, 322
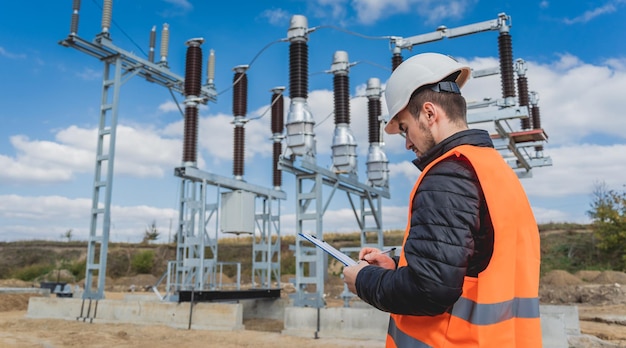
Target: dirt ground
600, 297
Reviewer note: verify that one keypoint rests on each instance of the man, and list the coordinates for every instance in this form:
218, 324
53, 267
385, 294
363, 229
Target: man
468, 273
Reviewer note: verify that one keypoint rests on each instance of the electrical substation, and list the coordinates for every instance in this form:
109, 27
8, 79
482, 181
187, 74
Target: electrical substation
211, 205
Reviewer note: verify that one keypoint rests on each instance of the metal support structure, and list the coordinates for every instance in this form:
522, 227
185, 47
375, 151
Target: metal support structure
266, 246
200, 225
311, 262
103, 181
125, 65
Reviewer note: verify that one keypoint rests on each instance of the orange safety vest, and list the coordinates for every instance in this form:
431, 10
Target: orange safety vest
499, 308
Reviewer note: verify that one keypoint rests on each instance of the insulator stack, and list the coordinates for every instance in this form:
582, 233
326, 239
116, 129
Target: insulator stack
344, 145
377, 163
374, 110
341, 99
238, 151
278, 110
300, 122
396, 58
278, 114
240, 109
190, 143
152, 43
74, 24
107, 9
522, 89
536, 115
505, 50
165, 41
298, 69
210, 71
193, 71
240, 91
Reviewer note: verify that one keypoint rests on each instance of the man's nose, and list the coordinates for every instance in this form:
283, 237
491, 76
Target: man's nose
407, 143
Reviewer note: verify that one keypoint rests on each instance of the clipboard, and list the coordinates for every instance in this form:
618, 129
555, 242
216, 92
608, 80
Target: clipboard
341, 257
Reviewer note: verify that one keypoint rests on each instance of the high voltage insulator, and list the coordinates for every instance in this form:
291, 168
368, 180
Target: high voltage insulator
522, 89
240, 91
193, 71
152, 43
165, 41
278, 114
341, 98
300, 123
74, 24
190, 141
107, 8
298, 69
377, 162
396, 58
240, 108
505, 49
344, 145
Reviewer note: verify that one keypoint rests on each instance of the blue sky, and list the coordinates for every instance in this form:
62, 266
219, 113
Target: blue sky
51, 97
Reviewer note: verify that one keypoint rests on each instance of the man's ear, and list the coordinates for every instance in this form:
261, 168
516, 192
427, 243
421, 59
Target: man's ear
430, 112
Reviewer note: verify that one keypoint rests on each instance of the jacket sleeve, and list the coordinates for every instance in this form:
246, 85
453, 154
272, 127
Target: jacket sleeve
445, 213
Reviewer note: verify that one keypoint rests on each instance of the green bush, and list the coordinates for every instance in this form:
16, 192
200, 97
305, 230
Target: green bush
78, 269
143, 261
32, 272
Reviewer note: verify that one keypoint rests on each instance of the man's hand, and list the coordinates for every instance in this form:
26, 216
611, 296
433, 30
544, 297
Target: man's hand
368, 257
350, 273
374, 257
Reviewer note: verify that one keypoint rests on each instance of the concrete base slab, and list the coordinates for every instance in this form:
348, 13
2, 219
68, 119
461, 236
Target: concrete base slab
361, 323
205, 316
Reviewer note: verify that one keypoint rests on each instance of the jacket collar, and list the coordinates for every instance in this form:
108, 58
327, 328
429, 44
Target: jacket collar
476, 137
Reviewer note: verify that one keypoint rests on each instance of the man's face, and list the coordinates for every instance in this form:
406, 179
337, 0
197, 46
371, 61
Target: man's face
419, 137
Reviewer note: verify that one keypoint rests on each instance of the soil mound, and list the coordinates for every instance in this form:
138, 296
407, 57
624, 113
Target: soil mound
560, 278
610, 277
587, 276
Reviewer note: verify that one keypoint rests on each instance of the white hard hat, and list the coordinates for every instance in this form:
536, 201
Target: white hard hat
415, 72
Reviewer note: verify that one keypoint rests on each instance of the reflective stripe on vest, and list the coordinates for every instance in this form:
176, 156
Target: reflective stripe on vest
487, 314
403, 340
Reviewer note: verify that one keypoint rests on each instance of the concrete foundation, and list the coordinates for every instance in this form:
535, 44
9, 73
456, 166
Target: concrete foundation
560, 324
205, 316
362, 323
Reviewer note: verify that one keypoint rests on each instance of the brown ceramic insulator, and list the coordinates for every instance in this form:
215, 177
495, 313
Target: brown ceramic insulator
396, 60
278, 113
505, 50
240, 94
193, 70
190, 137
276, 173
536, 115
522, 88
74, 24
373, 112
342, 99
298, 69
238, 150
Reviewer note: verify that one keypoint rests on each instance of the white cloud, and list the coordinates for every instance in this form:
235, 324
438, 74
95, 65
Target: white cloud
183, 5
370, 11
89, 74
11, 55
48, 217
277, 16
593, 13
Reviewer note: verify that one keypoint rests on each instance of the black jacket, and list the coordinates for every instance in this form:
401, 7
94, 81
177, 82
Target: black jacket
451, 236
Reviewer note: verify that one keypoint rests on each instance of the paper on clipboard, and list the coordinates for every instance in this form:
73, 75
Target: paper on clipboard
341, 257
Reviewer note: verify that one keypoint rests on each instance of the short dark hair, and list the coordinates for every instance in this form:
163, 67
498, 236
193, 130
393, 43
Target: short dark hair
452, 103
